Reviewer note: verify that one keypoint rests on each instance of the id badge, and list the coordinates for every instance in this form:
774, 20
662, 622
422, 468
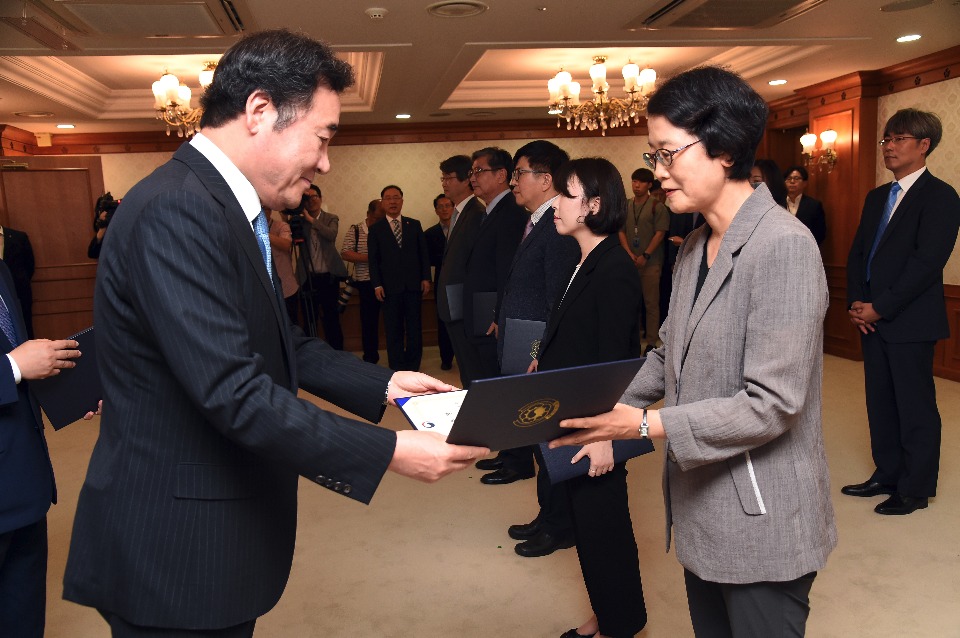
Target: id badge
636, 242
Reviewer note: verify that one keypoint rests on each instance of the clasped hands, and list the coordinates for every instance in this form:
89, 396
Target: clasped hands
863, 316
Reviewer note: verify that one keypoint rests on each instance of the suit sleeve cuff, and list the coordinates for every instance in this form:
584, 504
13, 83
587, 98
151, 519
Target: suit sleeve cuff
17, 377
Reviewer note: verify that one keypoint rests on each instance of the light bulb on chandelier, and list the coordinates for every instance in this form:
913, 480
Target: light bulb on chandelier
172, 101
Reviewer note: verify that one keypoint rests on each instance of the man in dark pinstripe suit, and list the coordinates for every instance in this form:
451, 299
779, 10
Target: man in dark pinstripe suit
187, 518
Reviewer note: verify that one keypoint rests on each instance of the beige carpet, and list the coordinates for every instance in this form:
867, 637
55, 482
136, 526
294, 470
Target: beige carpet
435, 560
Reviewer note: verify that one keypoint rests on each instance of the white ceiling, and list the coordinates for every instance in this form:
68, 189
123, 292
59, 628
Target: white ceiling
100, 57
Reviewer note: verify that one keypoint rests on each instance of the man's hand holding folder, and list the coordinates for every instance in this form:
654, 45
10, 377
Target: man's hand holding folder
42, 358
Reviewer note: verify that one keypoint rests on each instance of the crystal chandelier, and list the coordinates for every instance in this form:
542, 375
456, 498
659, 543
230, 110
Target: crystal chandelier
172, 101
603, 111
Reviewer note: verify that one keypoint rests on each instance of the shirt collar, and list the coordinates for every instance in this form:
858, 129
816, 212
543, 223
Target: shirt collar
239, 185
910, 180
496, 200
537, 214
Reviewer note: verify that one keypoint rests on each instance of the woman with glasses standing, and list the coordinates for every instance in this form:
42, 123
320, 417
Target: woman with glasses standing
595, 321
745, 480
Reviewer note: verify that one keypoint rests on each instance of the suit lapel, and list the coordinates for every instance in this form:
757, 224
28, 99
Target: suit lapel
907, 204
535, 233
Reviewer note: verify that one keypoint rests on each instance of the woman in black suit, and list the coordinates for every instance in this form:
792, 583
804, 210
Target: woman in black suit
596, 321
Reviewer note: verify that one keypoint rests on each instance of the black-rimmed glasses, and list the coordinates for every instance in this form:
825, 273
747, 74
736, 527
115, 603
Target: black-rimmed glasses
522, 171
663, 156
896, 139
477, 171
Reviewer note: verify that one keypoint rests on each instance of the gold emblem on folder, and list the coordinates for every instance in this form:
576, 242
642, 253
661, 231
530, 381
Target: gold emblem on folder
534, 348
536, 412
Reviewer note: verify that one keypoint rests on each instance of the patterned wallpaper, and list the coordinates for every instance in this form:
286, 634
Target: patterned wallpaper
942, 98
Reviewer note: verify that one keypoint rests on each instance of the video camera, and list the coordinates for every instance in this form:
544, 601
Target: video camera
296, 221
105, 204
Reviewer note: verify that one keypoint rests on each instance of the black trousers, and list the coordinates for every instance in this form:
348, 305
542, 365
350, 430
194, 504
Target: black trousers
23, 580
519, 459
369, 321
401, 318
753, 610
608, 552
443, 341
902, 409
322, 291
555, 517
120, 628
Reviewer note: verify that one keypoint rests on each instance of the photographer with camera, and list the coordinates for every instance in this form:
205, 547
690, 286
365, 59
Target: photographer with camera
102, 214
325, 269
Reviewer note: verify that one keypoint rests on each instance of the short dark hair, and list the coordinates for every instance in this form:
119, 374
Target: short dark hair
804, 175
920, 124
388, 187
496, 157
438, 198
459, 164
719, 108
542, 156
773, 178
289, 67
372, 206
315, 189
642, 175
599, 178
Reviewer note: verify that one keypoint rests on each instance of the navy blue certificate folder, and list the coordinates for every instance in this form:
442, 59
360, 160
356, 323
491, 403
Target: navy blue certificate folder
68, 396
506, 412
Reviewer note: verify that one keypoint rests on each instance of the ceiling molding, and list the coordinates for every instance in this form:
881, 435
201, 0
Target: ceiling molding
472, 94
368, 68
751, 62
55, 80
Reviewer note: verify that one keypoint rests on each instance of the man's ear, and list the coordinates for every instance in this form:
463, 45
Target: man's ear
259, 112
925, 146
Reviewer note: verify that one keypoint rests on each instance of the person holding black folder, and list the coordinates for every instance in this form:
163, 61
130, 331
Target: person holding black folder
595, 321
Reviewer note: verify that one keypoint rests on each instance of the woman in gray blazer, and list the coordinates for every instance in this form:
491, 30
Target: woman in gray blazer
745, 476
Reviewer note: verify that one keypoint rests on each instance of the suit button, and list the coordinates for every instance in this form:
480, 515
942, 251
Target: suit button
329, 483
320, 479
337, 486
347, 489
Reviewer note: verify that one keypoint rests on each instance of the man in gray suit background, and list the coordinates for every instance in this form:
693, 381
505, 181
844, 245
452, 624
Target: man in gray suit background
186, 522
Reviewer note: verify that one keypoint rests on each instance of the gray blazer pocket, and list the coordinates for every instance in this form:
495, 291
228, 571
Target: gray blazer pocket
741, 469
208, 482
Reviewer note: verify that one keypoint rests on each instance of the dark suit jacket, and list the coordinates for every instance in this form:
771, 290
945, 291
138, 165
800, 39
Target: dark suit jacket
539, 274
810, 212
436, 244
490, 257
394, 267
26, 475
18, 255
597, 320
457, 250
187, 517
906, 286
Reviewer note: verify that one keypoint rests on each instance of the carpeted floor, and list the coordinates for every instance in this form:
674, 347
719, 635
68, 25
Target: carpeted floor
435, 560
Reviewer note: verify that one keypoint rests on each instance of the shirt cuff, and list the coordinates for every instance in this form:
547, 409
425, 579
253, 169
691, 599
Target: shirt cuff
17, 377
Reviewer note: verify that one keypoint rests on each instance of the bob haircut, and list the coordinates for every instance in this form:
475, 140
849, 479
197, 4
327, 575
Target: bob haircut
719, 108
542, 156
773, 178
286, 66
920, 124
599, 178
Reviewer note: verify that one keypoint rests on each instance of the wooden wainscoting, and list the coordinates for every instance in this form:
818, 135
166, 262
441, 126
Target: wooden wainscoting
63, 299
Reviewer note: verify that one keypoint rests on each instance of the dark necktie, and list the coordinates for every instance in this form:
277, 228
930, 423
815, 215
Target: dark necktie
6, 324
263, 240
884, 222
396, 231
527, 230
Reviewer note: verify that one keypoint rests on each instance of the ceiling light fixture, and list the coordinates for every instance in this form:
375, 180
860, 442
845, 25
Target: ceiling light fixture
777, 82
603, 111
172, 101
908, 38
402, 116
65, 126
457, 8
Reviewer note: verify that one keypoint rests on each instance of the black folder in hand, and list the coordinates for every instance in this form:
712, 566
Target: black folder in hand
521, 344
559, 468
68, 396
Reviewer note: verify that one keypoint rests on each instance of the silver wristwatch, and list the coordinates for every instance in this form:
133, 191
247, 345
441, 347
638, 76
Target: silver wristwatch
644, 428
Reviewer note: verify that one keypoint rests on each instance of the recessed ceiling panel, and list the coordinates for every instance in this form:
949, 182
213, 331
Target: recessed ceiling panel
173, 19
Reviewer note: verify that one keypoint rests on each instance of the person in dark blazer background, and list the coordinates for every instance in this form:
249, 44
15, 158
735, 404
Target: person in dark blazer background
746, 485
187, 518
490, 256
468, 213
26, 475
596, 320
895, 293
540, 270
807, 209
436, 237
400, 274
18, 255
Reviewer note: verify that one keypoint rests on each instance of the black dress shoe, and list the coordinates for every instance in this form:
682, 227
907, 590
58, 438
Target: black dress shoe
898, 505
489, 464
503, 476
543, 544
525, 531
573, 634
867, 488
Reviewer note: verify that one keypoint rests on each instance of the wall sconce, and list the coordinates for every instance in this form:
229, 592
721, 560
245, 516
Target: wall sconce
826, 156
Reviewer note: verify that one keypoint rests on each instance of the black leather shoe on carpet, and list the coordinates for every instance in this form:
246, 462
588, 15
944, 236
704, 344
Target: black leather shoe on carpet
543, 544
867, 488
573, 634
489, 464
898, 505
525, 531
503, 476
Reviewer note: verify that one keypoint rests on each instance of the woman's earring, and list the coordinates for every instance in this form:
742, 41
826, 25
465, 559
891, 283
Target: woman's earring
580, 219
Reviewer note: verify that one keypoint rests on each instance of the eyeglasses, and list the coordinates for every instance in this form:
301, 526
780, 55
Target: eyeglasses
664, 156
393, 198
522, 171
447, 178
477, 171
896, 139
793, 178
